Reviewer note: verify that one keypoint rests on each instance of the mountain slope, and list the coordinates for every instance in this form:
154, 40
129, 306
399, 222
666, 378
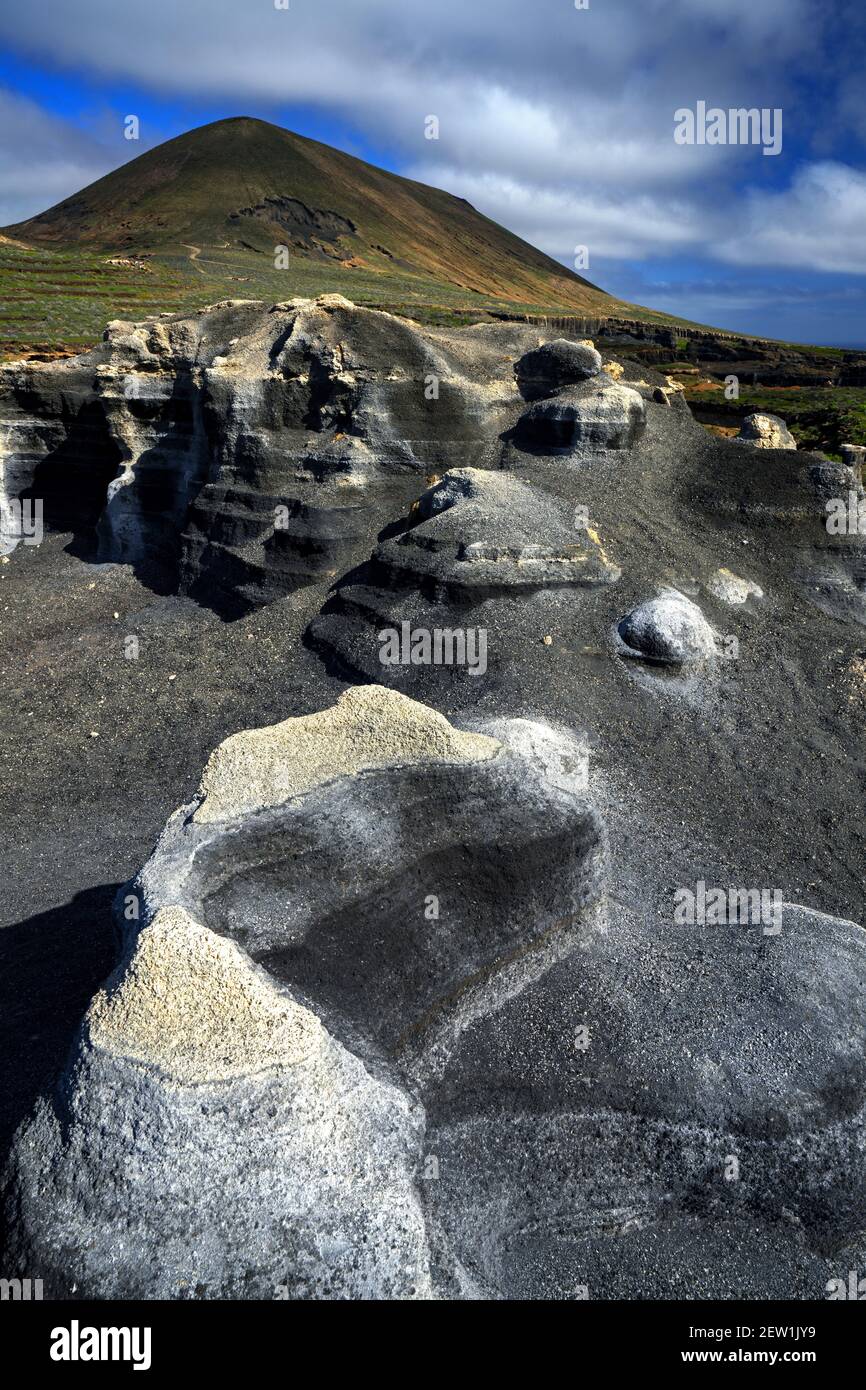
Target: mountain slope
241, 187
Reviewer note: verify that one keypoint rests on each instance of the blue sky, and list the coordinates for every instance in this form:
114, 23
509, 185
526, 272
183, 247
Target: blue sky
557, 122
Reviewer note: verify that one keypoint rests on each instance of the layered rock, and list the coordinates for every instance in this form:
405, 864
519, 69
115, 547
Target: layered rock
377, 1029
232, 1122
474, 540
247, 449
211, 1139
599, 414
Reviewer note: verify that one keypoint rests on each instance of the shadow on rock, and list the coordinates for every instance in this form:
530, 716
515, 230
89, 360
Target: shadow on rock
50, 966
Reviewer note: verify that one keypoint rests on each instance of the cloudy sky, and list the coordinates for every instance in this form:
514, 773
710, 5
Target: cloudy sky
556, 121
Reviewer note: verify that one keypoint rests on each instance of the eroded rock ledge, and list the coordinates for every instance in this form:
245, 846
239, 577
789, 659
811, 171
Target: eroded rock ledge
235, 1116
340, 1054
248, 449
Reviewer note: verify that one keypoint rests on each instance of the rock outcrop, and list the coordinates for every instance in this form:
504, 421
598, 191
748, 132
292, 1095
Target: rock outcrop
599, 414
211, 1139
765, 432
374, 1034
478, 540
246, 450
345, 886
668, 629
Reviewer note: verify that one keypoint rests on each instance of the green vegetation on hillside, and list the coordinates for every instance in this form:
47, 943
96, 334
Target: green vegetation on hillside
59, 299
821, 418
246, 186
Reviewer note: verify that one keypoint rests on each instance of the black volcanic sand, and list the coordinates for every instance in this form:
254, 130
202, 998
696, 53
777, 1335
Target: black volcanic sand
80, 813
753, 775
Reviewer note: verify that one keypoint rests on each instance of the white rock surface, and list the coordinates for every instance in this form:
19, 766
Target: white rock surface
765, 432
669, 629
730, 588
369, 727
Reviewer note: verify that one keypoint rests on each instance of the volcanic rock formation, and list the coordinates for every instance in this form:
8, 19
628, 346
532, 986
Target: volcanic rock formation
348, 1048
232, 1119
479, 537
426, 992
765, 432
246, 450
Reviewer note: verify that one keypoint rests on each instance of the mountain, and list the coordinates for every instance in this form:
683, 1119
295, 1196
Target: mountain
225, 195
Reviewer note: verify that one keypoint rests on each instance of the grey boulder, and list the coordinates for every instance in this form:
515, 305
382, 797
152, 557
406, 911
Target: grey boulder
600, 414
668, 629
545, 370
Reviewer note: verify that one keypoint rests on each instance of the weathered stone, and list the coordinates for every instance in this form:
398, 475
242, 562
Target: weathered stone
602, 414
211, 1139
668, 629
247, 450
854, 456
545, 370
729, 588
765, 432
480, 539
234, 1119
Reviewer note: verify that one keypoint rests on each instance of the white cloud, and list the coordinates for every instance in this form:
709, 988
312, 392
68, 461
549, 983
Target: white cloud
42, 159
818, 223
518, 87
630, 226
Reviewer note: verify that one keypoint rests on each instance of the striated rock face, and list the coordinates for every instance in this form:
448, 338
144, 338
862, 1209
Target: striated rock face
369, 729
479, 540
601, 414
316, 843
232, 1120
479, 532
211, 1139
766, 432
245, 450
